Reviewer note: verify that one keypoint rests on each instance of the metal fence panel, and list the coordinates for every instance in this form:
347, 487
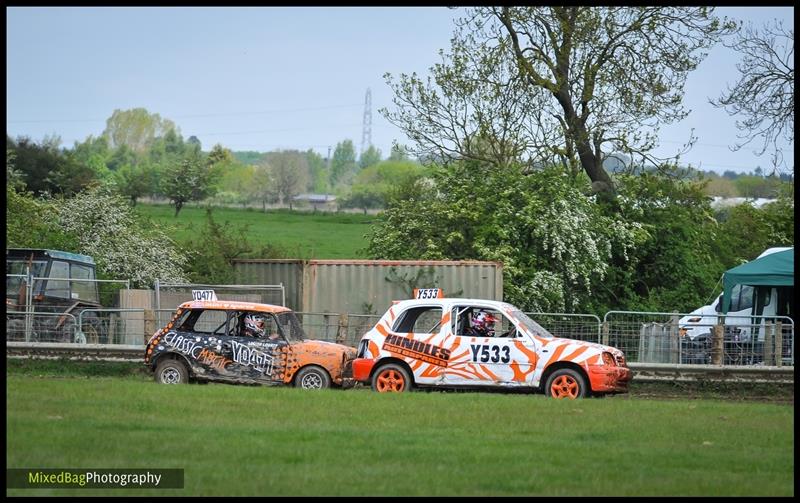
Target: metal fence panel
651, 337
583, 327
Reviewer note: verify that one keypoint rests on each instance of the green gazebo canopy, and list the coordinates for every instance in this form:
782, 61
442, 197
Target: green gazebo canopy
776, 269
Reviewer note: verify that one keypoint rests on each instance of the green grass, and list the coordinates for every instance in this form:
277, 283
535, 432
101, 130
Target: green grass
248, 440
296, 234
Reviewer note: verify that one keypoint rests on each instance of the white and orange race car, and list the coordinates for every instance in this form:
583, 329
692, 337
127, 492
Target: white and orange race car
471, 343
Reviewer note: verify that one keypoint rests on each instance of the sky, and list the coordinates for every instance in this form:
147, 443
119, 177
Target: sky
268, 78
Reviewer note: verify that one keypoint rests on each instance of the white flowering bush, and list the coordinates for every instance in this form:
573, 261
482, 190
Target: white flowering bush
556, 244
107, 230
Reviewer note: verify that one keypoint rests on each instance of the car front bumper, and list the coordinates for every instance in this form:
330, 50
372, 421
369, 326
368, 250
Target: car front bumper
609, 379
362, 368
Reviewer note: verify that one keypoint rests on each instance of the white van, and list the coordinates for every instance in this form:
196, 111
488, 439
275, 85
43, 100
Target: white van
698, 324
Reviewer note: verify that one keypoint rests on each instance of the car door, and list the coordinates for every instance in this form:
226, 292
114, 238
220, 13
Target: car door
257, 358
503, 356
416, 337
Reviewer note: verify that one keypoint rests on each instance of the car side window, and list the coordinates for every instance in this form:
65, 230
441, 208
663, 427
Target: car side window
206, 321
476, 321
419, 320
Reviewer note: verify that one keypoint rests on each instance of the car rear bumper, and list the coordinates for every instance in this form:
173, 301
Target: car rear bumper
362, 368
609, 379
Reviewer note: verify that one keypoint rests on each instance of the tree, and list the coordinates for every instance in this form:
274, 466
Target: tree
399, 152
369, 157
318, 171
763, 97
556, 84
33, 223
214, 250
555, 245
343, 165
374, 186
46, 169
134, 181
94, 153
262, 187
14, 178
289, 174
122, 247
136, 128
189, 180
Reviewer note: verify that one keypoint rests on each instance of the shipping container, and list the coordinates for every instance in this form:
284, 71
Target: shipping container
369, 286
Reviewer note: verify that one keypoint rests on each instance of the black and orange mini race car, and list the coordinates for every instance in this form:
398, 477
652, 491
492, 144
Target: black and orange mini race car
244, 342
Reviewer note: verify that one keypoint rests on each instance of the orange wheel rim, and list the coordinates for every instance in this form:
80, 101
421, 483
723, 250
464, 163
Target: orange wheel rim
564, 387
391, 380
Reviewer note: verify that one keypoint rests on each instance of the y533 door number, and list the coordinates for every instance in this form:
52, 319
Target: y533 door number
485, 353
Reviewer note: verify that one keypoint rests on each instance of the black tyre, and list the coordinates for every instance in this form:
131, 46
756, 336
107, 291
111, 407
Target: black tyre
312, 377
171, 371
391, 378
566, 383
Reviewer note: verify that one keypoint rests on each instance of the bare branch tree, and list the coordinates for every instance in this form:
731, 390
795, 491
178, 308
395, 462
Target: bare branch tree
764, 95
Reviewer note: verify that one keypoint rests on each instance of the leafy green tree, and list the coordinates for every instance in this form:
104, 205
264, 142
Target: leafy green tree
134, 181
136, 128
364, 197
720, 186
213, 252
745, 231
122, 156
674, 264
33, 223
290, 174
189, 180
14, 178
343, 165
374, 185
318, 171
553, 241
94, 153
757, 186
369, 157
565, 84
70, 176
46, 169
236, 182
263, 187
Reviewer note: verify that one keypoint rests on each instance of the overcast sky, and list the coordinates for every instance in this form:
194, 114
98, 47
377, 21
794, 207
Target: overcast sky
266, 78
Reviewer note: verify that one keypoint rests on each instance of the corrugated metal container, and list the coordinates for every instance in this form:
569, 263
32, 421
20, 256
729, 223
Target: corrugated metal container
273, 272
369, 286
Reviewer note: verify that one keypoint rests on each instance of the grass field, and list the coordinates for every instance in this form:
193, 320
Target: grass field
297, 234
245, 440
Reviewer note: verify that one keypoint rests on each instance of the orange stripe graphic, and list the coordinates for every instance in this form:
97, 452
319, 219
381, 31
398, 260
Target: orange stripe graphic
557, 354
575, 354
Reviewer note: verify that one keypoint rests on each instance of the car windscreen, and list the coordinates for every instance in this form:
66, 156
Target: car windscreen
531, 326
290, 326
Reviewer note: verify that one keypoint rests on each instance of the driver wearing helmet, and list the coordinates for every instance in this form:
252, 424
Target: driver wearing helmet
254, 325
482, 325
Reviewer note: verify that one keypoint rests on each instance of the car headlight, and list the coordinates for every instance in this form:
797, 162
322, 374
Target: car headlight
694, 320
608, 359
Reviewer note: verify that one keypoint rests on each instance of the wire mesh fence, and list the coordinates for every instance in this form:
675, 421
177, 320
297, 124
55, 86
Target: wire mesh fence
648, 337
644, 337
583, 327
